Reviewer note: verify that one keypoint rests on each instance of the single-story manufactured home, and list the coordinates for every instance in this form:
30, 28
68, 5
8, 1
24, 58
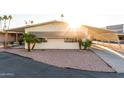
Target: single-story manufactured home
59, 34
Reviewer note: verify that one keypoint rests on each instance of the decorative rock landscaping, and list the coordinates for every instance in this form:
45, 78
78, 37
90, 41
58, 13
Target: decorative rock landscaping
84, 60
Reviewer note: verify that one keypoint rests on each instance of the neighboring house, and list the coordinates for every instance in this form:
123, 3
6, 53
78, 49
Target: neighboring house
116, 28
119, 29
59, 35
12, 36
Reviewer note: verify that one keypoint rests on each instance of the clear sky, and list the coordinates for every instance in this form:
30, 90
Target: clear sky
97, 13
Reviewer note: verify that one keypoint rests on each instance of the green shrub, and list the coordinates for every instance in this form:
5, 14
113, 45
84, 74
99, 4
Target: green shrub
87, 44
11, 42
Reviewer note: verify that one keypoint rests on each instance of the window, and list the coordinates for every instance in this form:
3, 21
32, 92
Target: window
42, 40
70, 40
121, 37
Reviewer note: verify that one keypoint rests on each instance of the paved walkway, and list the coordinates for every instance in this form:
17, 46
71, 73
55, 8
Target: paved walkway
14, 66
113, 58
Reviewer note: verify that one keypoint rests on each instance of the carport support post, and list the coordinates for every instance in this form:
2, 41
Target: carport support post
16, 37
6, 40
109, 43
119, 43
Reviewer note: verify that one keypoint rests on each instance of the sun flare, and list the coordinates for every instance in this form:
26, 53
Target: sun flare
74, 24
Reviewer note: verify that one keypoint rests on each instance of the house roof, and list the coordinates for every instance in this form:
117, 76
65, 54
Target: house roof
114, 25
45, 23
56, 21
22, 28
94, 32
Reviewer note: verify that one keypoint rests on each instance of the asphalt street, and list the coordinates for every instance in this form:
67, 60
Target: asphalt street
14, 66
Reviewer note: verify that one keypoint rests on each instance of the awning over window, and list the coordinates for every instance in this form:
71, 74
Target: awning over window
59, 35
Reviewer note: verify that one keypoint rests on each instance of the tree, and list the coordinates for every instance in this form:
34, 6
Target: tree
62, 16
30, 39
87, 43
9, 18
35, 40
79, 38
80, 43
1, 18
5, 18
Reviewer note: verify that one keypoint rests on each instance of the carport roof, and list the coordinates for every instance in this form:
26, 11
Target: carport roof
17, 29
100, 33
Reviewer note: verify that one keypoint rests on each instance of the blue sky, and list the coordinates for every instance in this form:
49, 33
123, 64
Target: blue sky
97, 13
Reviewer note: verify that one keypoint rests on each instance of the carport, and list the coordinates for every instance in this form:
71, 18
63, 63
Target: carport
101, 34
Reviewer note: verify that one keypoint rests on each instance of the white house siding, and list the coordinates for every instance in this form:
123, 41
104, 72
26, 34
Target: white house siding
56, 44
52, 43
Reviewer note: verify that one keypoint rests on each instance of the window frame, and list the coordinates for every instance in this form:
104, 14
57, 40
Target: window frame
43, 40
71, 40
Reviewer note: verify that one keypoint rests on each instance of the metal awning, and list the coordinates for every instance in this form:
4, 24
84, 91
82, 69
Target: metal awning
57, 35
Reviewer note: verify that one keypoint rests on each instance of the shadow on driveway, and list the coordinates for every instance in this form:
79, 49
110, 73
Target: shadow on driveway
15, 66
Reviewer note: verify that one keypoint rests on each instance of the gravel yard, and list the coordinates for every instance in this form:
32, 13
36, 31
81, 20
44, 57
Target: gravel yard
84, 60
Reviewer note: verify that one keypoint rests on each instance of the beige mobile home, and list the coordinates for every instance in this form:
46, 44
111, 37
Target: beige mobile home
59, 35
55, 35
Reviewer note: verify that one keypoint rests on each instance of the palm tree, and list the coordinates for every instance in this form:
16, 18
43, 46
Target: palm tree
79, 39
87, 44
5, 18
62, 16
9, 18
35, 40
80, 43
29, 39
1, 18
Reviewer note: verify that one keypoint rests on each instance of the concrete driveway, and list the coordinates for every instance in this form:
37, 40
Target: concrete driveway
15, 66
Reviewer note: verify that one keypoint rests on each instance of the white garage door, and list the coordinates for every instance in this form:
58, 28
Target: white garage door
57, 44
